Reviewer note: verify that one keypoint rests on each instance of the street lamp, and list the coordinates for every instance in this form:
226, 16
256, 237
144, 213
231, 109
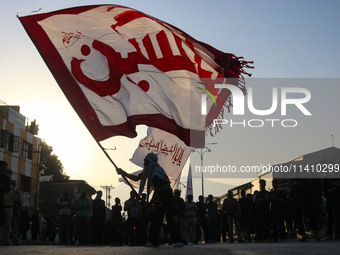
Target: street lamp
110, 149
201, 151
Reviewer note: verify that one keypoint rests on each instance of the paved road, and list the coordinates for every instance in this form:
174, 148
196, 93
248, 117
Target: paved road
288, 247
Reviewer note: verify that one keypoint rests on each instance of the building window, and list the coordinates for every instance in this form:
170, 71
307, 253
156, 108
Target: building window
25, 183
9, 141
27, 150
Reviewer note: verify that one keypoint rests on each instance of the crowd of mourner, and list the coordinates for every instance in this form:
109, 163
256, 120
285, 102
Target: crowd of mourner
307, 209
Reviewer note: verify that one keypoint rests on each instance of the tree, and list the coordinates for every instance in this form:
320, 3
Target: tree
50, 163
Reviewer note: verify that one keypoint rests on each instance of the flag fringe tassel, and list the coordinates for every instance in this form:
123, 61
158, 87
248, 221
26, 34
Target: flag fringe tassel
214, 129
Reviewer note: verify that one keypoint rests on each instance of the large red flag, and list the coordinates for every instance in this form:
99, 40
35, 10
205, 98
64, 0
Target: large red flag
119, 68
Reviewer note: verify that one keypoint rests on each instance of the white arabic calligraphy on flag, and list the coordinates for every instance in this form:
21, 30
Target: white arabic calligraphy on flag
120, 68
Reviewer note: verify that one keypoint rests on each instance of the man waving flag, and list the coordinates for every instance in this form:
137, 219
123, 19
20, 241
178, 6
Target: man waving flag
119, 68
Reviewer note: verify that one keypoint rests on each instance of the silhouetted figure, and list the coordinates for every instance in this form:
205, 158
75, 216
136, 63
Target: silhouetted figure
163, 199
289, 213
245, 204
16, 214
277, 211
333, 208
35, 219
98, 218
65, 206
51, 228
212, 219
306, 204
5, 179
43, 227
24, 225
252, 214
315, 207
202, 219
223, 225
115, 233
323, 211
190, 213
261, 210
232, 209
134, 210
11, 203
82, 205
145, 218
179, 215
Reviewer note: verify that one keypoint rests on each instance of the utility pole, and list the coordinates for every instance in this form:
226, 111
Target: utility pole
107, 196
201, 151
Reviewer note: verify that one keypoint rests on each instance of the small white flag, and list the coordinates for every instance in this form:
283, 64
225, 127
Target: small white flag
172, 153
189, 184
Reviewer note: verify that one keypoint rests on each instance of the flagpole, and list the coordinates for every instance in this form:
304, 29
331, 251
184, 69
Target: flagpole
113, 163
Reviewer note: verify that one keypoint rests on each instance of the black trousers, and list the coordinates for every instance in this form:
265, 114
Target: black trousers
133, 230
165, 205
98, 225
2, 213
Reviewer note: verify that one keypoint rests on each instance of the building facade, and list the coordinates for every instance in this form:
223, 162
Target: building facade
326, 157
51, 190
19, 147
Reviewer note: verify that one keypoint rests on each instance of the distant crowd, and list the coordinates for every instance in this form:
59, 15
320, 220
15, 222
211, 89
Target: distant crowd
307, 209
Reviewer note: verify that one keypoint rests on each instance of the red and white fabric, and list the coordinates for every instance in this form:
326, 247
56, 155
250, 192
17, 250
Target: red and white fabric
120, 68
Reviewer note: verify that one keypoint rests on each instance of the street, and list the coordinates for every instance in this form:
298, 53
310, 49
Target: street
288, 247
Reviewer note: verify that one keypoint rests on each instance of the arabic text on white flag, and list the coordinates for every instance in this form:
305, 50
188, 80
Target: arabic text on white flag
172, 153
